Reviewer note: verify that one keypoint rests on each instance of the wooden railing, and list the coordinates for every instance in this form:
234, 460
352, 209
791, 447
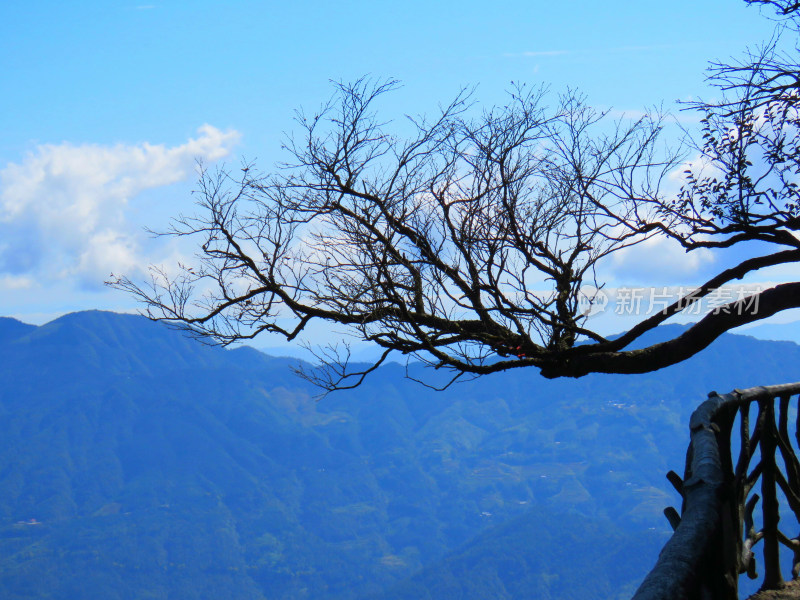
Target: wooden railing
714, 535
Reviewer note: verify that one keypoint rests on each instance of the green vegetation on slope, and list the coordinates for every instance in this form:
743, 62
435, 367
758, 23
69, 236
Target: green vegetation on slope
156, 467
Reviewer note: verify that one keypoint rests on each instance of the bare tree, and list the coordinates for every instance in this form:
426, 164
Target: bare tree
476, 243
782, 7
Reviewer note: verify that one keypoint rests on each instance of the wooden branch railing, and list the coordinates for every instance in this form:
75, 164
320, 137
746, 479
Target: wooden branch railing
715, 534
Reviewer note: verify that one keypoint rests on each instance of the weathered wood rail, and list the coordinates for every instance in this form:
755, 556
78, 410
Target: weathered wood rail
714, 535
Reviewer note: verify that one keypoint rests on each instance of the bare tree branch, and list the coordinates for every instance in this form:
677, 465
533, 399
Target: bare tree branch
474, 242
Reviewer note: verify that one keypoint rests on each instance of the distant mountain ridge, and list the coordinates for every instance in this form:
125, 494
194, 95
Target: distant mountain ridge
12, 328
154, 466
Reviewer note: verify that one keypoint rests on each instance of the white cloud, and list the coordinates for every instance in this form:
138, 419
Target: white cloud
661, 260
63, 207
592, 51
16, 282
537, 53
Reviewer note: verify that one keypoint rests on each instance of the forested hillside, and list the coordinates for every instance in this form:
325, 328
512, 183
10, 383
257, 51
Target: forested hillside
137, 463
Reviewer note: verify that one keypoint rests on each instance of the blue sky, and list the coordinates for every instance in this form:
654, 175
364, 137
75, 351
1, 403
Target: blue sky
105, 106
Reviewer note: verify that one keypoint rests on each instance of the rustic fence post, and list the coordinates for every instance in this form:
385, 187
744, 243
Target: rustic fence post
715, 533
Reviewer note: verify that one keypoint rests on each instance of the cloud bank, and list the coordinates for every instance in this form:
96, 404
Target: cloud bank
63, 208
663, 259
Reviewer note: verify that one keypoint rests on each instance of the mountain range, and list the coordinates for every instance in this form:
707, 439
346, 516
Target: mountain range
136, 462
